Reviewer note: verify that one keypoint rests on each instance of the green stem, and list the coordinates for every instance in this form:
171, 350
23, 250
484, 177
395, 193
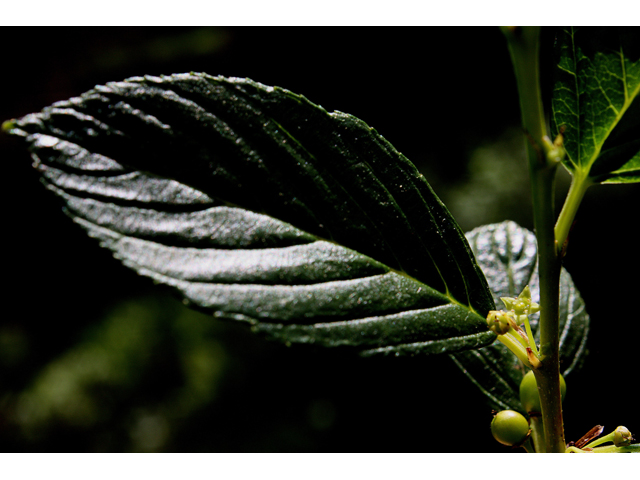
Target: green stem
528, 446
532, 339
516, 347
635, 448
548, 374
537, 434
524, 48
579, 185
523, 45
601, 440
574, 450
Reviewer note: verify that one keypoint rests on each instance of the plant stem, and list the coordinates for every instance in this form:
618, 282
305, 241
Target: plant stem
601, 440
548, 374
524, 48
523, 45
516, 348
574, 450
532, 339
528, 446
537, 433
635, 448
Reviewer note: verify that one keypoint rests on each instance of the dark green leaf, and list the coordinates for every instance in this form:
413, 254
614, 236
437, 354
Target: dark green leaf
595, 100
508, 255
257, 205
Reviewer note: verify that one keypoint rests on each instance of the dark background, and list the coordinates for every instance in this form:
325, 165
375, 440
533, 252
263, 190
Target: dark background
95, 358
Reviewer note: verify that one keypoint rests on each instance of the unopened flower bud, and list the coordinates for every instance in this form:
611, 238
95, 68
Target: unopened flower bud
498, 322
622, 437
554, 150
522, 304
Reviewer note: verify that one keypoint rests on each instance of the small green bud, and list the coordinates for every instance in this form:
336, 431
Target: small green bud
622, 437
556, 155
529, 396
522, 304
554, 150
498, 322
7, 125
510, 428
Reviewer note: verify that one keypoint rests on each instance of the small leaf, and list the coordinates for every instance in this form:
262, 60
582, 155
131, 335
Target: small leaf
508, 255
595, 101
259, 206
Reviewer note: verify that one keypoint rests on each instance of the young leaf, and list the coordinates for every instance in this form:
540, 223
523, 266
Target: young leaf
257, 205
507, 254
595, 101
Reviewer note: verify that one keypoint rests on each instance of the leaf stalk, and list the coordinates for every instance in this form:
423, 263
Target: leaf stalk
579, 185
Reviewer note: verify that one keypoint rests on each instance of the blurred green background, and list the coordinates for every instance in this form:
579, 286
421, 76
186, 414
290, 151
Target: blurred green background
94, 358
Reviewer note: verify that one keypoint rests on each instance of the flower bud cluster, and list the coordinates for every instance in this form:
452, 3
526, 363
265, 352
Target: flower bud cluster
506, 324
499, 322
522, 304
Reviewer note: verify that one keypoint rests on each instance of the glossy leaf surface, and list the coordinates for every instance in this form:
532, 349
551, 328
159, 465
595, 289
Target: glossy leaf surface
508, 255
595, 99
259, 206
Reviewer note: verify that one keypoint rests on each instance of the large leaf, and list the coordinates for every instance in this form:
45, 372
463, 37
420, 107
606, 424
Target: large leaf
595, 100
257, 205
508, 255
